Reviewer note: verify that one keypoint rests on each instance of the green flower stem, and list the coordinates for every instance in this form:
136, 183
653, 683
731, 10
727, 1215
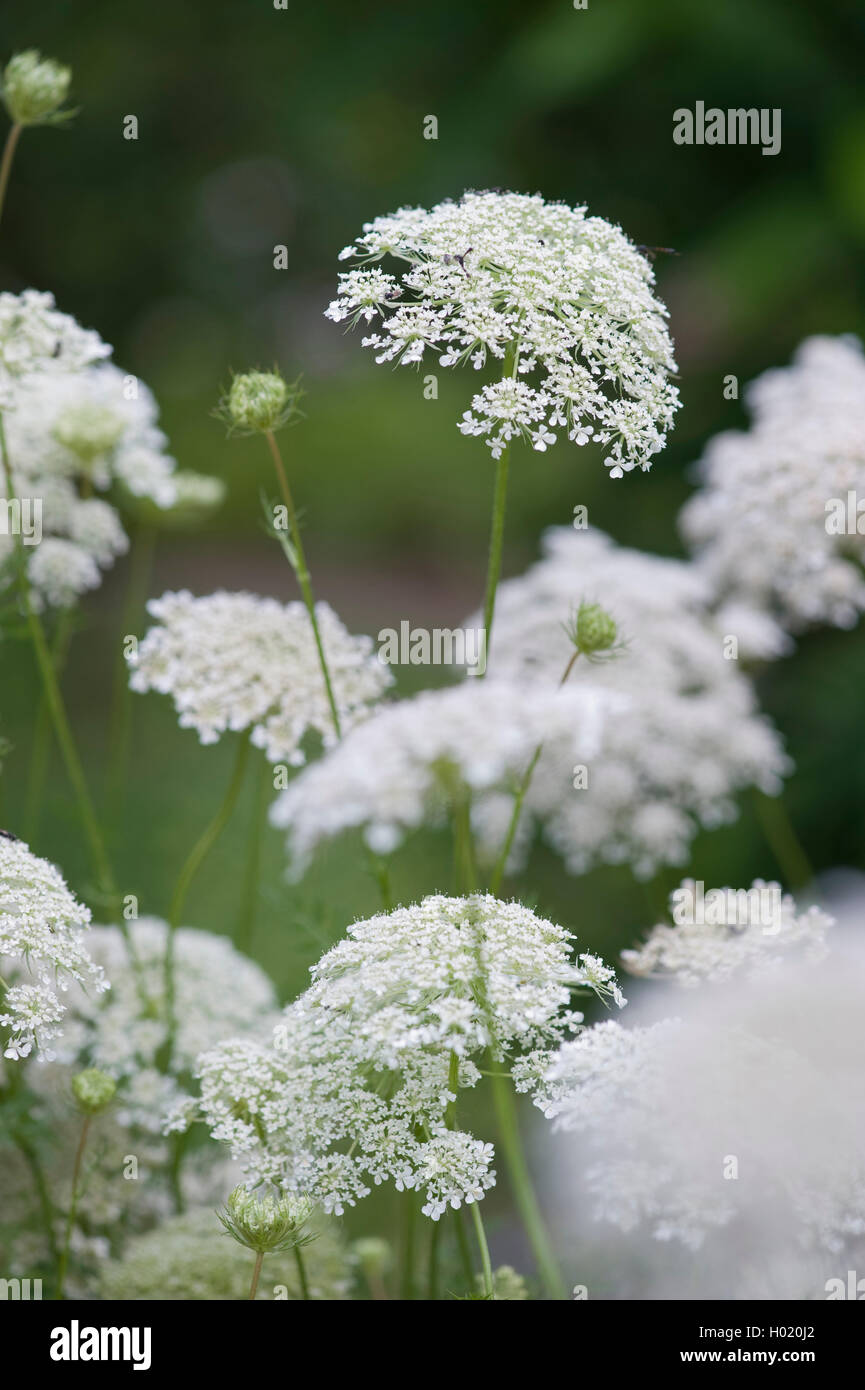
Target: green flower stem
301, 569
433, 1266
120, 720
477, 1221
62, 730
42, 733
301, 1273
783, 841
73, 1206
521, 1183
500, 864
256, 1273
6, 162
249, 903
497, 525
465, 869
463, 1247
409, 1228
196, 857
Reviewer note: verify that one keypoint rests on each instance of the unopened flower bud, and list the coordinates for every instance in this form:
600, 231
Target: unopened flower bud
93, 1089
34, 88
374, 1255
266, 1223
259, 401
594, 629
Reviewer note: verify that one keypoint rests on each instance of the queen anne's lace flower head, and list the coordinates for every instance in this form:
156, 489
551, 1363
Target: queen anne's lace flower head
726, 931
405, 765
217, 990
561, 304
770, 523
359, 1085
237, 661
689, 738
68, 433
35, 335
42, 949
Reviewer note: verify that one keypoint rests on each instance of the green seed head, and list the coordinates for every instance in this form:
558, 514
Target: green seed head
34, 88
258, 401
594, 630
266, 1223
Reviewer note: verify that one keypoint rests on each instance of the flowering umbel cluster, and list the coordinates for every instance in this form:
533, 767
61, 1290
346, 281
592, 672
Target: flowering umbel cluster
42, 949
560, 305
35, 336
237, 661
771, 523
687, 738
413, 760
363, 1077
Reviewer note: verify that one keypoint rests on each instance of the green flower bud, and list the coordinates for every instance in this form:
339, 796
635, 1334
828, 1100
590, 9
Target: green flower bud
88, 431
266, 1223
93, 1089
593, 630
259, 401
374, 1255
508, 1286
34, 88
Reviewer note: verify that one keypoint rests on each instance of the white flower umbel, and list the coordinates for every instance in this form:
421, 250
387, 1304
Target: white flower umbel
739, 1128
410, 761
123, 1033
35, 336
559, 306
689, 739
724, 932
364, 1074
238, 661
770, 523
70, 433
42, 949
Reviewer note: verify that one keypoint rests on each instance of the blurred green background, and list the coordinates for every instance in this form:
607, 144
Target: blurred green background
260, 127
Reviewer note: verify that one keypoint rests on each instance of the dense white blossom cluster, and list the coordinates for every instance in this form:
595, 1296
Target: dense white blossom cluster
561, 305
772, 521
360, 1084
216, 990
689, 739
742, 1121
42, 949
35, 335
234, 661
70, 434
728, 931
408, 763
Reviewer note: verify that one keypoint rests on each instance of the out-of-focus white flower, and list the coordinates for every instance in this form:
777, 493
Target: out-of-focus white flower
762, 524
366, 1066
721, 932
689, 739
35, 336
738, 1129
405, 765
217, 990
567, 299
237, 661
42, 949
59, 572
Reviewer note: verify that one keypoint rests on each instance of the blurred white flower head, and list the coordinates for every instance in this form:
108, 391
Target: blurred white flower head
760, 525
561, 304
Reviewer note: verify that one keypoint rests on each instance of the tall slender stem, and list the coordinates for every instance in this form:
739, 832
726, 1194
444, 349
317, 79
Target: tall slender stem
783, 841
301, 569
120, 720
6, 162
249, 902
73, 1206
42, 733
62, 729
194, 860
521, 1182
497, 525
301, 1273
486, 1266
409, 1226
253, 1288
